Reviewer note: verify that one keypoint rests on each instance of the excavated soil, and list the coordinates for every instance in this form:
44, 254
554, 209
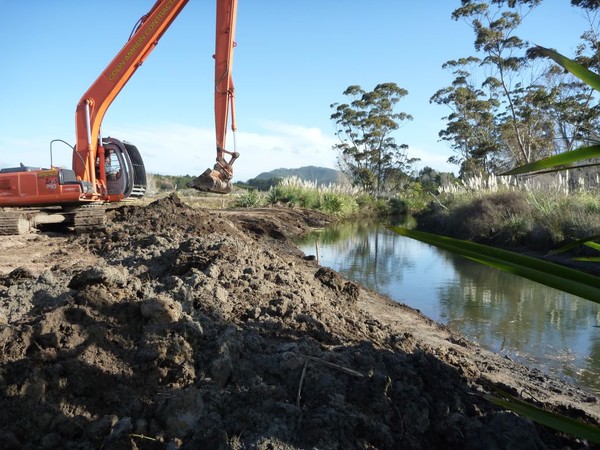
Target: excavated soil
185, 328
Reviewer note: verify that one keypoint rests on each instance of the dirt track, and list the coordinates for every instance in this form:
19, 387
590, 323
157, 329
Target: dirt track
196, 329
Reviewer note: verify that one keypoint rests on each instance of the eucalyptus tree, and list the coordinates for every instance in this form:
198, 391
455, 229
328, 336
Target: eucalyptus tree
586, 4
508, 77
471, 127
367, 152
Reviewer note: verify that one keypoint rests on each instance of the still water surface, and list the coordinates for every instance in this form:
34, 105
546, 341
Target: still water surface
531, 323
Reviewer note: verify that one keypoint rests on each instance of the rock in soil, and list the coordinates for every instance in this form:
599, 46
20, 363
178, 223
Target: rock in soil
187, 328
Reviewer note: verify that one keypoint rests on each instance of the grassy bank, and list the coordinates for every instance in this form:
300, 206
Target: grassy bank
343, 202
539, 220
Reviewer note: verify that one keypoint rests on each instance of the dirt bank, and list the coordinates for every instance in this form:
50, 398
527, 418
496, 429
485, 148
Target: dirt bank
196, 329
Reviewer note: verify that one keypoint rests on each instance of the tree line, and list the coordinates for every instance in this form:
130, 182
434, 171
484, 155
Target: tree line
507, 105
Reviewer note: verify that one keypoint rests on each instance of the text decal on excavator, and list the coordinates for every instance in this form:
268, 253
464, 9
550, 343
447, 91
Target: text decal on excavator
140, 40
47, 173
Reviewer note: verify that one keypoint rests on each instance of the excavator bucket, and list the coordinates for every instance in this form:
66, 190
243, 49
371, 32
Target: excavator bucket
211, 181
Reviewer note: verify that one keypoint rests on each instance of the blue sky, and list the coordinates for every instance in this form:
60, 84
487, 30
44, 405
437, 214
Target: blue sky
293, 59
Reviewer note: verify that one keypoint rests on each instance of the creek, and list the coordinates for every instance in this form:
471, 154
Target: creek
535, 325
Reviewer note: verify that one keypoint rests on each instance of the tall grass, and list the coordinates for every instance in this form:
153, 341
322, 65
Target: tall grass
564, 183
540, 220
335, 199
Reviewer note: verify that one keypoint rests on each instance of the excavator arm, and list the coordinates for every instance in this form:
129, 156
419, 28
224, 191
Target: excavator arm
219, 179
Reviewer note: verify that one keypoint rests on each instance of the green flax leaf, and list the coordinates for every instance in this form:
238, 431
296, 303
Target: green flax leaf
553, 275
552, 420
573, 156
589, 241
585, 75
593, 245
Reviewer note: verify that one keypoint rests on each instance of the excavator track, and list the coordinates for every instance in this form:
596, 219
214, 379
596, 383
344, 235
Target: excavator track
12, 223
89, 218
81, 219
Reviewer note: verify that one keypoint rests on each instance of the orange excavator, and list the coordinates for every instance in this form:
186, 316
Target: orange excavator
106, 169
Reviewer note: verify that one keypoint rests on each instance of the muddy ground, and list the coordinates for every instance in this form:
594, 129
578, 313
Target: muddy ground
186, 328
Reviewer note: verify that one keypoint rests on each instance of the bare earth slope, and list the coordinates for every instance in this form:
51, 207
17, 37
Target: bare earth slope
195, 329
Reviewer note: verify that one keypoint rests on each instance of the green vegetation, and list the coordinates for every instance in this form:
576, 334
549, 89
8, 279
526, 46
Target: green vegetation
167, 183
262, 184
343, 200
336, 200
250, 199
539, 220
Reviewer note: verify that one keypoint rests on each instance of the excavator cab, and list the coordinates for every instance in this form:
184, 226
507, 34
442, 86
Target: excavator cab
116, 182
125, 171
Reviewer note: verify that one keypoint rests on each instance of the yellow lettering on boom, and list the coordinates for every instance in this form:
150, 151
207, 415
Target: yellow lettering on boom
116, 71
131, 52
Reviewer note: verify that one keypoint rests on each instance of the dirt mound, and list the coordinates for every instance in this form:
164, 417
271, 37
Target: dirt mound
204, 329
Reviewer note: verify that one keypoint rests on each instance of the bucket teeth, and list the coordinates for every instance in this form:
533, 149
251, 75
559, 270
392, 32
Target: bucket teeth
211, 181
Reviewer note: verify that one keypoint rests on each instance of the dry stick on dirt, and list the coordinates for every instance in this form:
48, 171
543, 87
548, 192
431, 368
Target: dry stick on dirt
300, 394
334, 366
142, 436
300, 385
325, 363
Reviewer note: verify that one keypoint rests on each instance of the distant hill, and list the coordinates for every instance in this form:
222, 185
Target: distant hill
320, 175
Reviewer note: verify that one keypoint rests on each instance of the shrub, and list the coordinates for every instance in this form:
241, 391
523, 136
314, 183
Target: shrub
485, 216
250, 199
331, 203
538, 220
397, 206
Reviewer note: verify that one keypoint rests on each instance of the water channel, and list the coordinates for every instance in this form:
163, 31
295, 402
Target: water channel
538, 326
